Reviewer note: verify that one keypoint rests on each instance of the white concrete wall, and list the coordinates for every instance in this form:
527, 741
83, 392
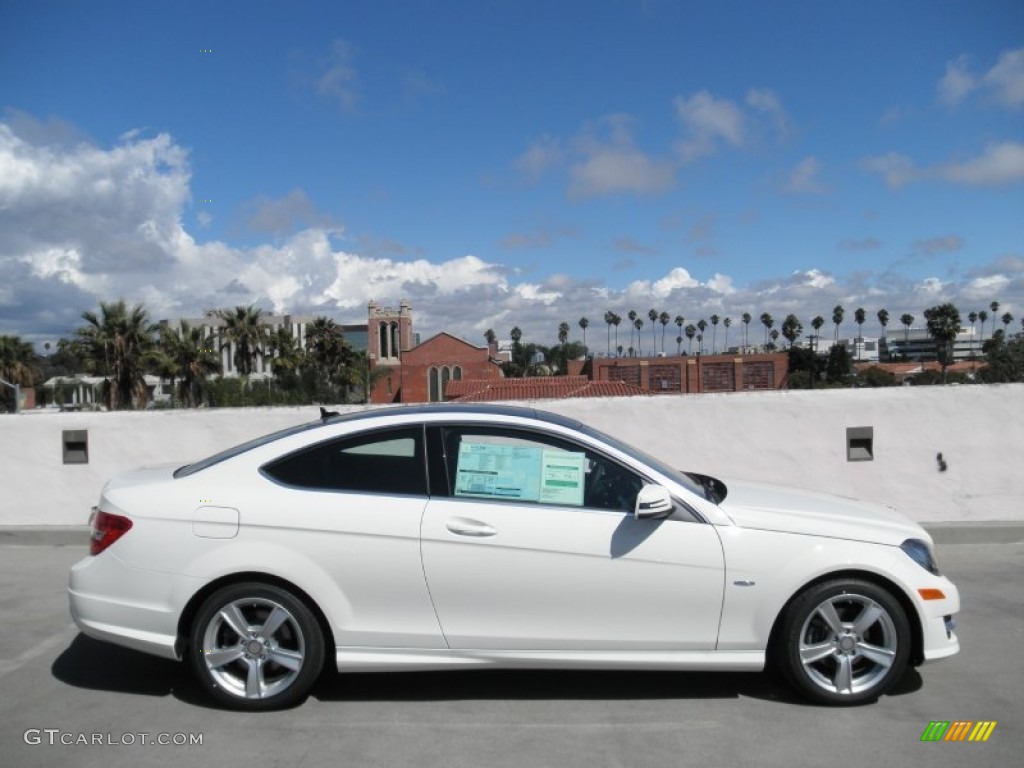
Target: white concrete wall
795, 438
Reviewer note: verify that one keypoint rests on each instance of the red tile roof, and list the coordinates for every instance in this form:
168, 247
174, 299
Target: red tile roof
536, 388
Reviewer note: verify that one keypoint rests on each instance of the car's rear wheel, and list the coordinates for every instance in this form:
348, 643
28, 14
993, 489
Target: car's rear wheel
844, 642
256, 647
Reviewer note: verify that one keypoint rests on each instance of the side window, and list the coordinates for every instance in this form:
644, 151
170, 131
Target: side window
518, 465
389, 461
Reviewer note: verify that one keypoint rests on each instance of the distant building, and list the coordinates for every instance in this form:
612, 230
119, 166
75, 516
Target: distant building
916, 345
704, 373
536, 388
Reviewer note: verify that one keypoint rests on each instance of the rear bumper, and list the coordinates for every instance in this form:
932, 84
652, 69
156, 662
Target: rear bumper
112, 602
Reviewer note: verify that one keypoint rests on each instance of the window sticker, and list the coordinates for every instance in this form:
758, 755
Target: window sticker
561, 479
521, 473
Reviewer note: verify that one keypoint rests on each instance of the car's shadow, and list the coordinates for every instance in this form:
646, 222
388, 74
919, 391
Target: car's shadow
96, 665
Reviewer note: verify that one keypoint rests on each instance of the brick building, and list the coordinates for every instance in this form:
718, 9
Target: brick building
686, 375
420, 373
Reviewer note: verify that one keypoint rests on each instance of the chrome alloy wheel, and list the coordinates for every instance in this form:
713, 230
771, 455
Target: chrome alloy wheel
254, 648
848, 644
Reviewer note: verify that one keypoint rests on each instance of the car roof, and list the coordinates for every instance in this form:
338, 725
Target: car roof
455, 410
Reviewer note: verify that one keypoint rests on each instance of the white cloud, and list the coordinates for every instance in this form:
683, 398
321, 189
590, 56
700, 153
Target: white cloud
612, 164
709, 121
804, 178
1006, 79
998, 165
83, 224
1004, 82
957, 83
543, 154
338, 79
766, 101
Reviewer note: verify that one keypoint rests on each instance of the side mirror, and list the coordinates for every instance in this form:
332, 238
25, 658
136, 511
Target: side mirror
653, 501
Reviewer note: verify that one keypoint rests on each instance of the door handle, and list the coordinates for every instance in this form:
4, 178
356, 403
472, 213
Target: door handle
462, 526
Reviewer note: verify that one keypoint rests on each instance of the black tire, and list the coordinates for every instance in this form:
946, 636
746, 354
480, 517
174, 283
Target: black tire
245, 664
843, 642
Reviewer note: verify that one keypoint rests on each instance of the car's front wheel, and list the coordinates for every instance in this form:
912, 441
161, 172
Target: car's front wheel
844, 642
256, 647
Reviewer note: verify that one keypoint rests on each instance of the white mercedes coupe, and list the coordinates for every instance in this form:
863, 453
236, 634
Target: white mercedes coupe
448, 537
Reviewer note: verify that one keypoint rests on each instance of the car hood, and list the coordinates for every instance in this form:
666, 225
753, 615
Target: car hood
778, 508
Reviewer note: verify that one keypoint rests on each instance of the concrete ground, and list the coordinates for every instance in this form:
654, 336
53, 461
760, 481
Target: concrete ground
53, 678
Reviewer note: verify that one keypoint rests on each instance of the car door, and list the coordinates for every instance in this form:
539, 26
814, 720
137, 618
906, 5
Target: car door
533, 545
353, 506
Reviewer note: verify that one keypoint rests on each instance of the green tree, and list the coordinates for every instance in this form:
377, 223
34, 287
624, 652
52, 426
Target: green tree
859, 316
652, 315
638, 323
715, 319
816, 324
1007, 318
1005, 361
727, 323
972, 318
791, 329
115, 344
837, 318
994, 306
194, 355
679, 344
608, 317
584, 323
875, 376
17, 365
663, 318
838, 367
331, 357
772, 346
691, 331
883, 320
746, 318
244, 327
563, 332
702, 326
490, 337
982, 317
907, 320
767, 321
632, 327
943, 323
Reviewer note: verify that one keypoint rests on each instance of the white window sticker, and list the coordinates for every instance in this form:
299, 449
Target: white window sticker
520, 473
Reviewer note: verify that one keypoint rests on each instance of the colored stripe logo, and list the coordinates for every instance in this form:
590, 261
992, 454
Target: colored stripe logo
958, 730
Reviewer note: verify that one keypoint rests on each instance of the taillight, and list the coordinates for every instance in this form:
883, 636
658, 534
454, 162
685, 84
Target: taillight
106, 529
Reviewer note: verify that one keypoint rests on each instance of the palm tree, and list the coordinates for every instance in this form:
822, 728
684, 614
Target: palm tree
632, 326
17, 360
490, 336
652, 315
194, 356
563, 333
1007, 318
638, 323
679, 321
616, 319
775, 337
330, 356
746, 318
816, 324
679, 345
583, 323
943, 326
244, 328
663, 318
973, 318
608, 317
714, 333
908, 320
288, 355
837, 318
982, 317
994, 306
115, 344
727, 323
883, 320
859, 316
767, 321
691, 331
791, 329
701, 326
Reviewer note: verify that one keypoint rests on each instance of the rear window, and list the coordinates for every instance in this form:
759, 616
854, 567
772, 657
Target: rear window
237, 450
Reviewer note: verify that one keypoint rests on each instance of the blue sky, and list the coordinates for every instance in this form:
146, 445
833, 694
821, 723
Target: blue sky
510, 163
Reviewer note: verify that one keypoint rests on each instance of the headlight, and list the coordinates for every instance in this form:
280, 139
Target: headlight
920, 553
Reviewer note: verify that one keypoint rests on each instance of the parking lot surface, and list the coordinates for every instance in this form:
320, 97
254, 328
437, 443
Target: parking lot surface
68, 700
